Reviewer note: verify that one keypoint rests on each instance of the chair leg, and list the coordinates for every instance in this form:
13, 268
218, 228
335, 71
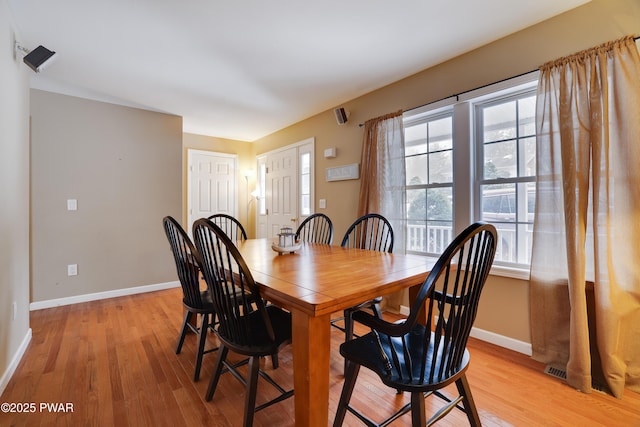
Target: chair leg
202, 332
348, 331
252, 390
469, 405
183, 331
217, 371
376, 310
274, 361
350, 376
418, 414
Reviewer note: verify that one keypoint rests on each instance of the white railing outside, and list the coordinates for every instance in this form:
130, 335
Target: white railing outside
434, 240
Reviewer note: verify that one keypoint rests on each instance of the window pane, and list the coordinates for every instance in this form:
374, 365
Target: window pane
500, 160
439, 204
498, 202
305, 184
415, 139
525, 231
416, 169
305, 163
305, 205
531, 200
417, 236
417, 204
440, 134
527, 116
440, 167
507, 243
499, 122
439, 235
436, 205
529, 157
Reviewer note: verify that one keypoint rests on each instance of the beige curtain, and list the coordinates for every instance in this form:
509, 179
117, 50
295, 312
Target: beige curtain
382, 179
587, 225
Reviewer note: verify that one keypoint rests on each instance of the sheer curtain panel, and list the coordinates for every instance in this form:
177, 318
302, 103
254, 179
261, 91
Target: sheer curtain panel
382, 179
587, 222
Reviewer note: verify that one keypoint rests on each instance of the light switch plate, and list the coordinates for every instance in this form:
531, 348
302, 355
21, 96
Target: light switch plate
322, 203
72, 205
72, 270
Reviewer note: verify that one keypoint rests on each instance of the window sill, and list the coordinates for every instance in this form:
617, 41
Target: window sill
501, 270
511, 272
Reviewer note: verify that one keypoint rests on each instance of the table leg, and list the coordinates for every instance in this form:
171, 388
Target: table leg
413, 293
311, 366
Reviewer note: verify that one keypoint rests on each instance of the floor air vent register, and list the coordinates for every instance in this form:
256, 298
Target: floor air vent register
562, 374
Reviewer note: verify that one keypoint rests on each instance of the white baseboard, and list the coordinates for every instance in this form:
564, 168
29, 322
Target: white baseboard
502, 341
13, 365
39, 305
492, 338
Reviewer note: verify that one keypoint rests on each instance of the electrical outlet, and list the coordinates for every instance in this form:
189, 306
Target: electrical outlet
323, 203
72, 270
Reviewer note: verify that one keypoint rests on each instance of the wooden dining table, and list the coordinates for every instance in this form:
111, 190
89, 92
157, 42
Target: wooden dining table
313, 283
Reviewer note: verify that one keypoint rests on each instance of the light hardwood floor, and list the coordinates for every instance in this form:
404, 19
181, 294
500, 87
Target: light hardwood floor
114, 361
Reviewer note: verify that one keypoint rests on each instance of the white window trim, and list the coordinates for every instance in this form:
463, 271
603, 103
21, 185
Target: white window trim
465, 152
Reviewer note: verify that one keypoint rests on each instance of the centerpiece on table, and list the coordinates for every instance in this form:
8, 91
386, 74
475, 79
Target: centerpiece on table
286, 242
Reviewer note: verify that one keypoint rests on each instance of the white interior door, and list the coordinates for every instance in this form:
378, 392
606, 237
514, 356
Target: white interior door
282, 190
212, 184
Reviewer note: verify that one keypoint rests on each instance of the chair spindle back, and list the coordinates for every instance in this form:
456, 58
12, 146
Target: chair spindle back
372, 232
316, 228
187, 264
230, 225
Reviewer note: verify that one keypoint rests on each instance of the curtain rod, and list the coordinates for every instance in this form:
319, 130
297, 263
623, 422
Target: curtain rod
457, 95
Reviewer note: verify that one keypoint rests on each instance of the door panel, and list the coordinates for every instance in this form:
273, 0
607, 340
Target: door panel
212, 185
279, 176
282, 190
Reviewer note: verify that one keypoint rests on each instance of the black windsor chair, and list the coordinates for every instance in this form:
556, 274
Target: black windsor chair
195, 301
422, 359
247, 326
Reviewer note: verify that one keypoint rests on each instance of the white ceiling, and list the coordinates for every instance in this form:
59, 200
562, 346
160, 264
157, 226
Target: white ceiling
246, 68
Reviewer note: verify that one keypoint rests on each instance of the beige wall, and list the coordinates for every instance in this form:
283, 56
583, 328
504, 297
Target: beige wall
505, 304
246, 161
124, 167
14, 193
